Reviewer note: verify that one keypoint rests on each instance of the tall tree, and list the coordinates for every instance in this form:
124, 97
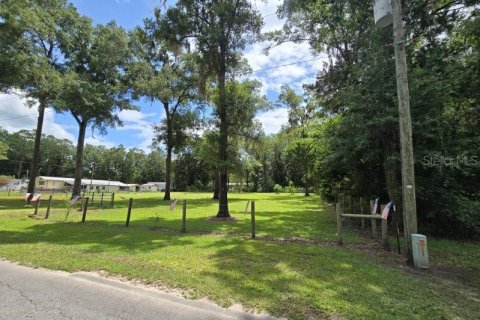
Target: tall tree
3, 150
162, 72
94, 87
219, 30
37, 31
301, 110
358, 134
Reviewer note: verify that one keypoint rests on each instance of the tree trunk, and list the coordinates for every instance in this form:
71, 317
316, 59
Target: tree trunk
217, 187
36, 148
307, 191
264, 174
20, 167
223, 144
77, 184
168, 170
168, 160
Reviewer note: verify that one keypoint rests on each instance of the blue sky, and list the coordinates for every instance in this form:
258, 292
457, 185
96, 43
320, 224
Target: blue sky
137, 130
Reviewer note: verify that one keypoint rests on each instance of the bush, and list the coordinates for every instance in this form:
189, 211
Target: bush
277, 188
291, 188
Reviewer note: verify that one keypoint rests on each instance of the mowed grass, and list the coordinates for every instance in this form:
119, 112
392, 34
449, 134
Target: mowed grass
218, 261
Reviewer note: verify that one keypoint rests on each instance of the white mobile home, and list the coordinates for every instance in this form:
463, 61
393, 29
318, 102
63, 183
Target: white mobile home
153, 186
88, 185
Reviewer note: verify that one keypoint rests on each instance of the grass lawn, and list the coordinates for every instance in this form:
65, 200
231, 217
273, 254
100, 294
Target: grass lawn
294, 269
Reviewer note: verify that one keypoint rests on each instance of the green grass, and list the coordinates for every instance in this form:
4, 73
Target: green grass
217, 260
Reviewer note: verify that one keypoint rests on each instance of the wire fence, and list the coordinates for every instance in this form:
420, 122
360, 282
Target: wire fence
277, 216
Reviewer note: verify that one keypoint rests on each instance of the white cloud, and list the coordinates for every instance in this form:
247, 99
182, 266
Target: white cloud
140, 122
273, 120
280, 66
16, 115
100, 141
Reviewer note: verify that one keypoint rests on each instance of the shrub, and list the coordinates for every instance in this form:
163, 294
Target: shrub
291, 188
277, 188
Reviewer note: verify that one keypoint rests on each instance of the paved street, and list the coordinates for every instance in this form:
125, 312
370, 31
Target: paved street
42, 294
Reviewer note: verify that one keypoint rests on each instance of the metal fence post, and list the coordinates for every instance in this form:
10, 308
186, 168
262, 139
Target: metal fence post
85, 208
184, 216
374, 222
338, 211
112, 200
252, 208
129, 212
47, 214
37, 204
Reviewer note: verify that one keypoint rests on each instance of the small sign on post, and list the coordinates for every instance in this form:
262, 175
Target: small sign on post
173, 205
420, 251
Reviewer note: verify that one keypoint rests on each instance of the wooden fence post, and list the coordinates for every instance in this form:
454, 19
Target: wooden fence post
351, 203
47, 214
362, 221
37, 204
101, 200
112, 200
129, 212
374, 222
93, 197
338, 210
184, 216
386, 245
85, 208
252, 208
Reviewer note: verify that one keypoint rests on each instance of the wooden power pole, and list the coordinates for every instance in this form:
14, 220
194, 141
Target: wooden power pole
406, 145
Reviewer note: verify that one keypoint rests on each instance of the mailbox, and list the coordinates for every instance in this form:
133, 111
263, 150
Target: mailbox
420, 250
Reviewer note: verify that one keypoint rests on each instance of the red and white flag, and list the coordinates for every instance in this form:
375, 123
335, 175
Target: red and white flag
386, 210
375, 205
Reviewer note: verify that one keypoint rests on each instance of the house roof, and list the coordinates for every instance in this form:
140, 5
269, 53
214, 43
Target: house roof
86, 181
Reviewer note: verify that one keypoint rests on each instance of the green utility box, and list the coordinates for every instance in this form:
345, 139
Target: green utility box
420, 251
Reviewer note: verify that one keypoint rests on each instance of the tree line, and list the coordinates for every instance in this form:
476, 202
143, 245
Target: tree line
58, 159
342, 135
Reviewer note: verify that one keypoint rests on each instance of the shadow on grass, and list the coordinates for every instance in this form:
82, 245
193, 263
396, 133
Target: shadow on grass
99, 235
316, 282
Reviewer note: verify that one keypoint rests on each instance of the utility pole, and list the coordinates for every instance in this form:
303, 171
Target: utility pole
406, 144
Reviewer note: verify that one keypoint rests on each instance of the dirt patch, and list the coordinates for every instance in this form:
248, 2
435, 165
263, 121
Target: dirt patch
161, 229
222, 219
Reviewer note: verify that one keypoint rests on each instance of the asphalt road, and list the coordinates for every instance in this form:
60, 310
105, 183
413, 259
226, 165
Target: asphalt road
43, 294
